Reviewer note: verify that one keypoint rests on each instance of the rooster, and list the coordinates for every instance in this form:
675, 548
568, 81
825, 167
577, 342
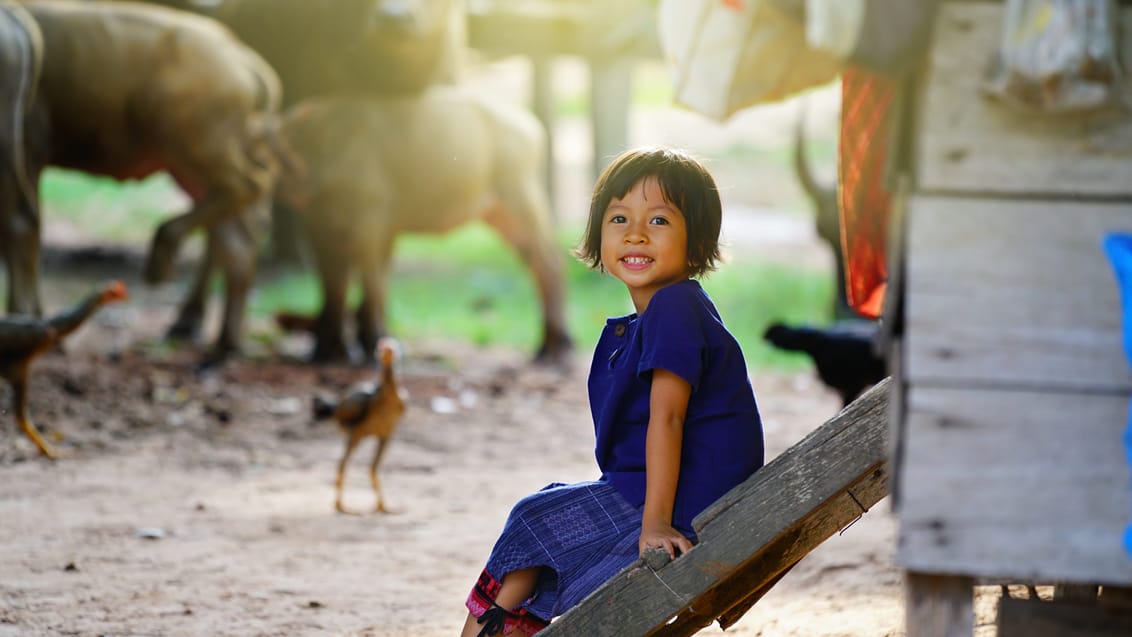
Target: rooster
23, 338
372, 411
844, 354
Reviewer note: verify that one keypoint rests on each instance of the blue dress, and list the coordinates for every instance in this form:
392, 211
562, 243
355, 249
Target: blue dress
583, 534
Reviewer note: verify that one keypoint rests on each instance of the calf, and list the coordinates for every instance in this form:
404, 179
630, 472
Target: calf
377, 167
21, 53
131, 89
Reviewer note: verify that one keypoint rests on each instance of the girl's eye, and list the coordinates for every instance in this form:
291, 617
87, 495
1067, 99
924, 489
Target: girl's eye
617, 219
659, 221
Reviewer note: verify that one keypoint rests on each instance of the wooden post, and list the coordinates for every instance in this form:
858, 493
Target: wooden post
611, 91
939, 605
542, 103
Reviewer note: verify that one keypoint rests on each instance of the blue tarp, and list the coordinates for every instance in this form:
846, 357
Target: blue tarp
1119, 250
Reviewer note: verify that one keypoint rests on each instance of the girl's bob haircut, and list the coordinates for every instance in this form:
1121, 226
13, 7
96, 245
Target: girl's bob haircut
685, 183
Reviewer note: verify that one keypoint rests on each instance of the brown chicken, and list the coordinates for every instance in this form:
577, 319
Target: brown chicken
23, 337
370, 411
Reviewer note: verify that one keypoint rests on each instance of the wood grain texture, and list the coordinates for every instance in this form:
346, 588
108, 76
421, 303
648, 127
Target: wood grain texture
939, 606
967, 142
752, 535
1014, 293
1015, 484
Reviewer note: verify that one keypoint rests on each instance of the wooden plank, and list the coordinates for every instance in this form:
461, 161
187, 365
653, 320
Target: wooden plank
968, 143
752, 535
532, 27
1022, 485
1024, 618
939, 606
606, 29
1014, 293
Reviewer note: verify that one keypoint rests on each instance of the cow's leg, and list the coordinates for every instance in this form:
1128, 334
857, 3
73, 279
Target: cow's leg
235, 252
189, 323
172, 232
20, 245
371, 311
223, 166
333, 271
22, 156
522, 219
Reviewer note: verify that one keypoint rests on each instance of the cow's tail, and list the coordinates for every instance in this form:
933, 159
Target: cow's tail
26, 84
266, 133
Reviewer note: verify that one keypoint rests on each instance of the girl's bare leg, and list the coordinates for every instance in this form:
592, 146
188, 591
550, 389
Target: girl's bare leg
515, 588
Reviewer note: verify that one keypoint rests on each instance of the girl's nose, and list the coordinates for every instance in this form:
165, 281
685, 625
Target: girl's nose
635, 233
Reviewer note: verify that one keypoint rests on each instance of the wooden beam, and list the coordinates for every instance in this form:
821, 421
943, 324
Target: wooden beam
970, 143
1014, 293
939, 605
752, 535
1025, 618
981, 468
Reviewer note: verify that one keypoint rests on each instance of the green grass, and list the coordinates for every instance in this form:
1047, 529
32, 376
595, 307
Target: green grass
468, 285
117, 211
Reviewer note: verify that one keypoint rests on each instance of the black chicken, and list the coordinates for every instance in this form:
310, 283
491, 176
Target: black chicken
843, 353
23, 337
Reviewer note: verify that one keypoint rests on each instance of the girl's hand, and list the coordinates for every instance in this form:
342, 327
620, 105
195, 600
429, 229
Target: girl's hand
661, 535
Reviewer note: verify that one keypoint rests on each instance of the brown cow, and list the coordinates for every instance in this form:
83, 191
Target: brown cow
21, 53
377, 167
375, 47
372, 47
131, 89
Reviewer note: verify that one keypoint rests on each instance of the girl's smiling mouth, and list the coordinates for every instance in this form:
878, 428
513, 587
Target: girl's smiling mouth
636, 261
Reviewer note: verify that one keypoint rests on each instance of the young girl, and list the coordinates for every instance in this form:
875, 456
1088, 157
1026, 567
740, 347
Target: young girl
674, 413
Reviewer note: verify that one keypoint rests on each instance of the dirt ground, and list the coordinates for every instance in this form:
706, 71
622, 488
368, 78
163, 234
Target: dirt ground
203, 504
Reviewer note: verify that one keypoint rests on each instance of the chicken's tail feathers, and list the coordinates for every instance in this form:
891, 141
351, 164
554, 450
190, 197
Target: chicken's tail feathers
323, 407
782, 336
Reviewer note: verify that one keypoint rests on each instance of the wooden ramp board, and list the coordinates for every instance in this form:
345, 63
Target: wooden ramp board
752, 536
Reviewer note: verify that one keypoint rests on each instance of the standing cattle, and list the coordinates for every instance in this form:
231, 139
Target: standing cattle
128, 90
21, 53
368, 47
377, 167
375, 47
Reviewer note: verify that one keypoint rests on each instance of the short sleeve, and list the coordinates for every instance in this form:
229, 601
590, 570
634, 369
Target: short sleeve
672, 334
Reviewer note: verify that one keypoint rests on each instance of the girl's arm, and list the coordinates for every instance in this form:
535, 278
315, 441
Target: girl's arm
668, 402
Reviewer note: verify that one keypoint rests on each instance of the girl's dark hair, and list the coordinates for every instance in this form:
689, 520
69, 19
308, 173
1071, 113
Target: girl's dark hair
685, 183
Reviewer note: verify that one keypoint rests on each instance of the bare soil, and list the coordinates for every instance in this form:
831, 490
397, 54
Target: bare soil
203, 504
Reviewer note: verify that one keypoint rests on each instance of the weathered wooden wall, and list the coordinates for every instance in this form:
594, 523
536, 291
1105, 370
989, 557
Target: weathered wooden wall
1012, 463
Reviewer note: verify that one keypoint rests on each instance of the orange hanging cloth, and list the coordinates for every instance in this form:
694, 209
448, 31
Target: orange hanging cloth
865, 201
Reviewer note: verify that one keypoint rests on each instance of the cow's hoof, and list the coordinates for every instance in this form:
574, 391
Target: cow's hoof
213, 360
336, 353
184, 330
556, 353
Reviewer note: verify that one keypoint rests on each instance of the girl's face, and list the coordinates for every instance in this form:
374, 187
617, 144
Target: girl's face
644, 241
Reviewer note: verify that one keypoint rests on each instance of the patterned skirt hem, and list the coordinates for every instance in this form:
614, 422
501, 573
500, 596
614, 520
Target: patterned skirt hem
483, 597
